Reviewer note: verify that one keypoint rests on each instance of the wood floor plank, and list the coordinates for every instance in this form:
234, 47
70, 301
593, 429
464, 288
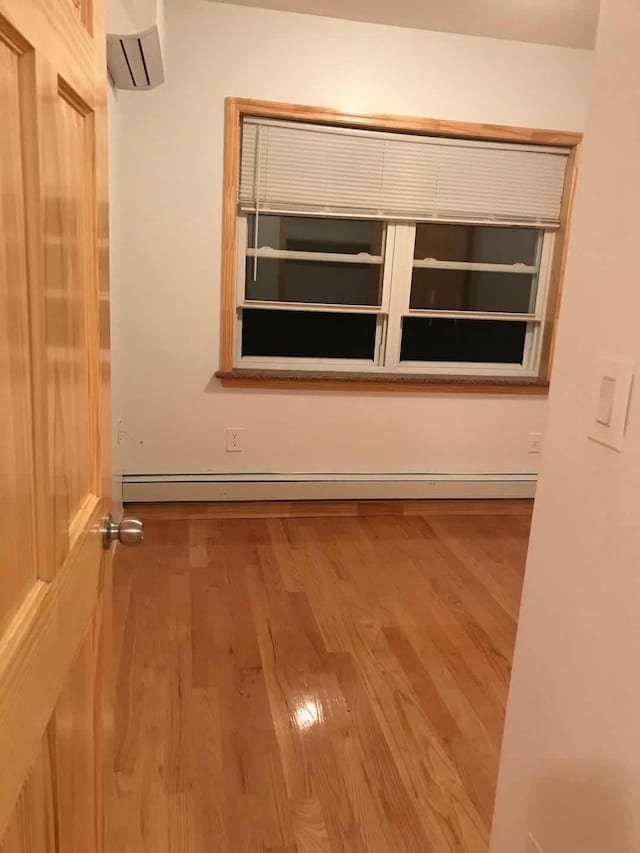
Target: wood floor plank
309, 825
333, 554
314, 683
490, 549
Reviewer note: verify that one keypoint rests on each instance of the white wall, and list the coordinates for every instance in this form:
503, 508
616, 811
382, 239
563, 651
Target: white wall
169, 214
570, 769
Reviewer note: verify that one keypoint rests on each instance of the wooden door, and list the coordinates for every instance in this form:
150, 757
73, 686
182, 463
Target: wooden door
54, 427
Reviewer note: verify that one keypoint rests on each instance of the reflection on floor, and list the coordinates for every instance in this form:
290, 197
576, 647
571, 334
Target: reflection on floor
309, 684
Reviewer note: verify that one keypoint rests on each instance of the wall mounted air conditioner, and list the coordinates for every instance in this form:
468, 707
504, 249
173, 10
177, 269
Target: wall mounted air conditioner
135, 43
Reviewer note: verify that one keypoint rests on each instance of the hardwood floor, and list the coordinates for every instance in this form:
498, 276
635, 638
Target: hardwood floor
314, 684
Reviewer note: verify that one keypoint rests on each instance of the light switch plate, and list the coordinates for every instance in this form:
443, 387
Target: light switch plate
612, 390
606, 400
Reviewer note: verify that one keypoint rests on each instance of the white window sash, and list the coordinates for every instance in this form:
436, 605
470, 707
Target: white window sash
442, 314
316, 307
327, 257
396, 289
273, 363
515, 269
400, 289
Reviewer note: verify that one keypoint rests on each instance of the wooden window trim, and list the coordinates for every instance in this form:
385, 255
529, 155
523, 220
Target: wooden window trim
236, 108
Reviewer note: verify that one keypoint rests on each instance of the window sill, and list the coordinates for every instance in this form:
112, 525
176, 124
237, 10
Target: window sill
350, 381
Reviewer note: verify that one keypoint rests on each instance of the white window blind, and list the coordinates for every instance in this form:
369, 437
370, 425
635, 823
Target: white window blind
289, 167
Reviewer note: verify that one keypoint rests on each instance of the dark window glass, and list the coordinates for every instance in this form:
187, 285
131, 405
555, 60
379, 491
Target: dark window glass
309, 234
471, 290
435, 339
284, 280
481, 244
307, 334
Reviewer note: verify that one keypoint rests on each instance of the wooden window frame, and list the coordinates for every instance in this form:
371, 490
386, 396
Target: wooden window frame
237, 108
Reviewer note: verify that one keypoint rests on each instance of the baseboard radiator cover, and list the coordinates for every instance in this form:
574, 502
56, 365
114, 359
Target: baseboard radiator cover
325, 487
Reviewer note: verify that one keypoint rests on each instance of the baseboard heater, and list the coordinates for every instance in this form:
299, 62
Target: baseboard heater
310, 487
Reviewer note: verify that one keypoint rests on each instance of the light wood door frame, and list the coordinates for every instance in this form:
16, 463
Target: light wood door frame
55, 631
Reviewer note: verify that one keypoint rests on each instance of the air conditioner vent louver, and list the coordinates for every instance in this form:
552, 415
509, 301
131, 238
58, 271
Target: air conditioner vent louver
135, 61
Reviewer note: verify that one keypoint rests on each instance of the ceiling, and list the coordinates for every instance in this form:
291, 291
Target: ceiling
568, 23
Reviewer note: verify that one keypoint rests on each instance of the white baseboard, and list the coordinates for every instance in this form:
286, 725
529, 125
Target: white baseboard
314, 487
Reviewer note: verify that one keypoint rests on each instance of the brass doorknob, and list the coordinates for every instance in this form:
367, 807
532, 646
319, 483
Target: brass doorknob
130, 531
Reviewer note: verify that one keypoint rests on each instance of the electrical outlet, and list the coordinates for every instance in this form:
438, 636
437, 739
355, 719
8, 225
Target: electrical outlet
535, 442
532, 845
234, 439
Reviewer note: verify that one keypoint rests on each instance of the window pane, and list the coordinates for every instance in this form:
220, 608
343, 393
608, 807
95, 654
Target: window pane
471, 290
284, 280
309, 234
481, 244
435, 339
307, 334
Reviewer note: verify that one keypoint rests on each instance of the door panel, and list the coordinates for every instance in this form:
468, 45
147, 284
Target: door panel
18, 570
41, 644
75, 744
71, 312
55, 577
32, 826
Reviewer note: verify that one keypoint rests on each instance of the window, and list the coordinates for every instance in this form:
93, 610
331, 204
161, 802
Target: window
404, 297
393, 253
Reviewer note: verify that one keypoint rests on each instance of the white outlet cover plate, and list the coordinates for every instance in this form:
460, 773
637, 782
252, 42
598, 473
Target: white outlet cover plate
234, 439
620, 370
535, 442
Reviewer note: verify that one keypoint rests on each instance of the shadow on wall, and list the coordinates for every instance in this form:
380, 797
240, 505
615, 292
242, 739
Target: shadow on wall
583, 809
